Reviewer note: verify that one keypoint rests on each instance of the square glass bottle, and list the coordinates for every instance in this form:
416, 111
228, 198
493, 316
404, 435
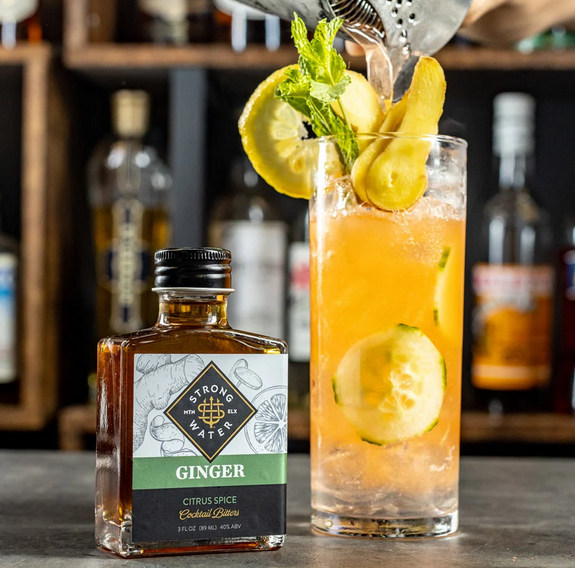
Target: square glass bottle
192, 423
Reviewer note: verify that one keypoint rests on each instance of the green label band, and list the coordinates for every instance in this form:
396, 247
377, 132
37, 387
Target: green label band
196, 471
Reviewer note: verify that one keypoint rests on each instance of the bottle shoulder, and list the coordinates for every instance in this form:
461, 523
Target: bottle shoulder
244, 206
120, 167
517, 205
193, 340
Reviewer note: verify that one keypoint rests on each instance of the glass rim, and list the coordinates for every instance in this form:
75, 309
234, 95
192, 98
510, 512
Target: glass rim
442, 138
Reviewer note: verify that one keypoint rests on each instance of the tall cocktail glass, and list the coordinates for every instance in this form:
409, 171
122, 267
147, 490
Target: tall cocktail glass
387, 319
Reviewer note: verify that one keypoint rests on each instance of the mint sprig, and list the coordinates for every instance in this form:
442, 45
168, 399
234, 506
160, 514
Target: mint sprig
319, 81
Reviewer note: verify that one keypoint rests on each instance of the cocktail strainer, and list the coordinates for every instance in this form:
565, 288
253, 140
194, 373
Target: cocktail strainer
409, 28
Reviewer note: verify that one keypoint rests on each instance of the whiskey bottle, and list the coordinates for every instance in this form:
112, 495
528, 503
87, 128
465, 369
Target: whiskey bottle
245, 221
298, 312
129, 196
19, 21
177, 22
514, 287
192, 431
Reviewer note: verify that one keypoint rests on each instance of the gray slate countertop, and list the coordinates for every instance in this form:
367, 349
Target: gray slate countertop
514, 512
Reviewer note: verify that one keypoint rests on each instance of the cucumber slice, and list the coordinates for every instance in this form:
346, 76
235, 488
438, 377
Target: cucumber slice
390, 385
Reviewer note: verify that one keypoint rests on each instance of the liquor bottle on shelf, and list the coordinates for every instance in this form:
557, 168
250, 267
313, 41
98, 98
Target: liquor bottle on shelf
298, 312
8, 310
245, 221
563, 388
19, 20
129, 189
177, 22
514, 287
239, 25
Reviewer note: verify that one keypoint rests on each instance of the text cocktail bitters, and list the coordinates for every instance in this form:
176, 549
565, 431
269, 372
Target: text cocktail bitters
192, 423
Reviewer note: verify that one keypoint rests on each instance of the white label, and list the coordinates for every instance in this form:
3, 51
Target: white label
298, 310
8, 268
258, 274
212, 411
16, 10
127, 266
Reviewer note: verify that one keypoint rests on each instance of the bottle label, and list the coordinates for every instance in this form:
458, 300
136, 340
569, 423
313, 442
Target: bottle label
259, 267
512, 326
16, 10
209, 446
128, 266
8, 269
299, 309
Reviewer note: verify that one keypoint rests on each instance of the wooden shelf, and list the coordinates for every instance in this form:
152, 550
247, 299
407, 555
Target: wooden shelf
74, 422
110, 56
24, 53
481, 427
44, 225
142, 56
521, 428
481, 58
476, 427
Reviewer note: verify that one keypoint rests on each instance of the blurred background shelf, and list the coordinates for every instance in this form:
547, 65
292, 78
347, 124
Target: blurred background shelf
111, 56
76, 423
481, 427
518, 428
33, 161
48, 132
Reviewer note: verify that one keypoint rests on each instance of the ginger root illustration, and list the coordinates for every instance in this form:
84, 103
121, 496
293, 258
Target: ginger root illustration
161, 380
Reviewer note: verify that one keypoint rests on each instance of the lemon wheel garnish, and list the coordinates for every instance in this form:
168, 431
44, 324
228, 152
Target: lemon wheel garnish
273, 135
390, 385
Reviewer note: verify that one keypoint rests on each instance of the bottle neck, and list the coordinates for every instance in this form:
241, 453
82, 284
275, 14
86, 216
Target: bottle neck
191, 309
514, 171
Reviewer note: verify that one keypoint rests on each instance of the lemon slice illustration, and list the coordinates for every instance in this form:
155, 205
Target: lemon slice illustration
267, 431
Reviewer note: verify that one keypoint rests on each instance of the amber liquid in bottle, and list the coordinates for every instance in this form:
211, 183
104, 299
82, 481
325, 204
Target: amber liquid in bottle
187, 324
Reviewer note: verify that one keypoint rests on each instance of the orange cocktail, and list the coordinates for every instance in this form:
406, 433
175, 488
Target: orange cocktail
387, 315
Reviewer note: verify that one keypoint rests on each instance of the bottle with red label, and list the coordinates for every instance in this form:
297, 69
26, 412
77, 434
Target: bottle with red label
563, 390
514, 286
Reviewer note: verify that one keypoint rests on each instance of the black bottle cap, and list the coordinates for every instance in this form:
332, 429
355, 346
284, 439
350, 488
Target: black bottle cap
193, 268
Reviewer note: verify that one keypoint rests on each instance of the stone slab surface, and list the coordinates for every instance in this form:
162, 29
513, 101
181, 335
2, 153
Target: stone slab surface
514, 512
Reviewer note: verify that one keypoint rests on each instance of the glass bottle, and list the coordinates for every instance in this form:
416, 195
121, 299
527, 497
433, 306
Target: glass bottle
563, 388
514, 287
298, 311
19, 20
128, 186
245, 221
174, 397
8, 310
177, 22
